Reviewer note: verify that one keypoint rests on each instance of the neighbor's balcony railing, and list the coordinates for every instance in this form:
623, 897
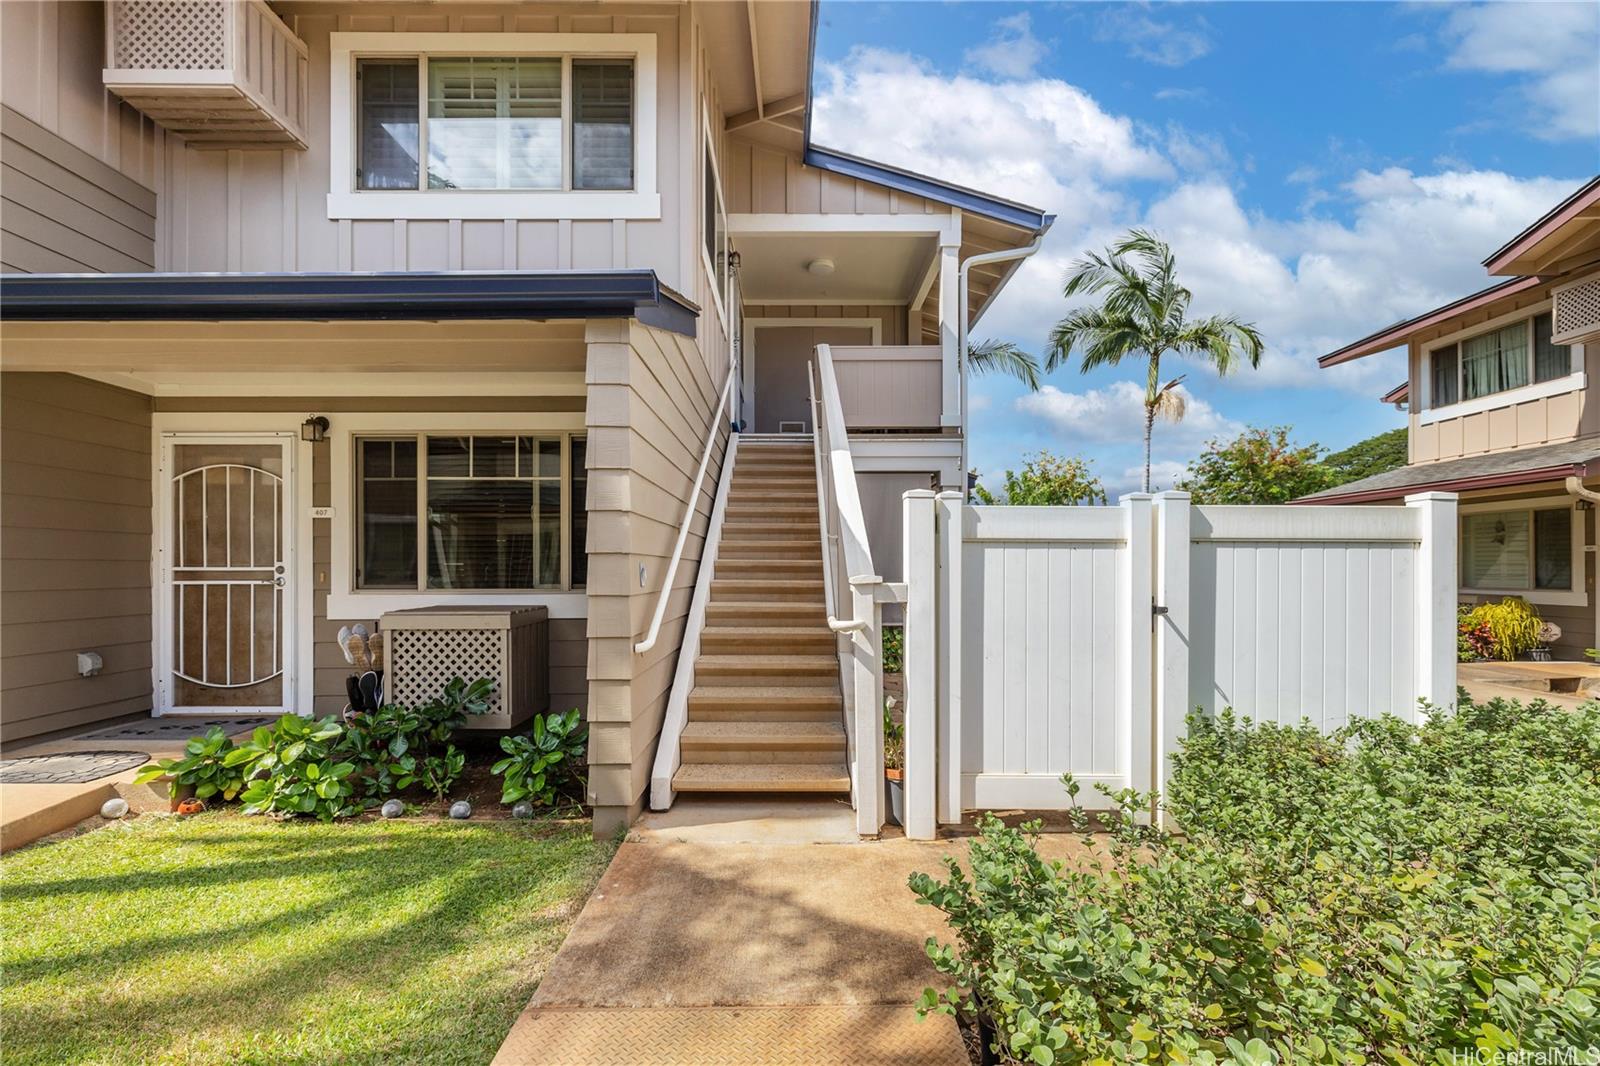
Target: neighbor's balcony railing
896, 387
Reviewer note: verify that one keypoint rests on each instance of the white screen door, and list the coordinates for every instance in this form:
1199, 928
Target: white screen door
226, 598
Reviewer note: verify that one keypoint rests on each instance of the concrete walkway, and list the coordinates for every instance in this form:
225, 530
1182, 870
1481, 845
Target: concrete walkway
1566, 684
725, 934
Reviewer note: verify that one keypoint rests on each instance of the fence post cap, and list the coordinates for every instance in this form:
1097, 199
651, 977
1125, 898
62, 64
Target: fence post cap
1436, 497
917, 494
1172, 494
950, 494
1131, 497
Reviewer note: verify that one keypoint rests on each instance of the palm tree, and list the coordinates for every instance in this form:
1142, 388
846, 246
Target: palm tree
1003, 357
1142, 313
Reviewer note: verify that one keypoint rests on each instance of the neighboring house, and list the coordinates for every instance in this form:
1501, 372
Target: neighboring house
1502, 411
316, 311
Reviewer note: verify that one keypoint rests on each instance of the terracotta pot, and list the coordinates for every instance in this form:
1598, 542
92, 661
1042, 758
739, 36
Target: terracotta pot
191, 806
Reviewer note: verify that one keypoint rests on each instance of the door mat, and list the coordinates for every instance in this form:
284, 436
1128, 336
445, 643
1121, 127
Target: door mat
165, 728
68, 768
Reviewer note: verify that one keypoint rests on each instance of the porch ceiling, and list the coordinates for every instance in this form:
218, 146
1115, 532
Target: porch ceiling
163, 351
867, 268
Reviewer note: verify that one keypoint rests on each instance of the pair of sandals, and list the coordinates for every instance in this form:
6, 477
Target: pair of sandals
364, 651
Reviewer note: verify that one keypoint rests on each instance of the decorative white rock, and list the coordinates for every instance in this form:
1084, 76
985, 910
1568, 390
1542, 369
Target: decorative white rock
392, 809
115, 807
522, 809
461, 809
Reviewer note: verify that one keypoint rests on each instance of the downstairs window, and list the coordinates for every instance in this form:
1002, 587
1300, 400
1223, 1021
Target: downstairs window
1517, 550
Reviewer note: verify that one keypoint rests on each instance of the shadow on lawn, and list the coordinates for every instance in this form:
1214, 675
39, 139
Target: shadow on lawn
426, 950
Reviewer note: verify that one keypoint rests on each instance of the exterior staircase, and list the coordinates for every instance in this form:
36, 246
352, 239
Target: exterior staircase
765, 713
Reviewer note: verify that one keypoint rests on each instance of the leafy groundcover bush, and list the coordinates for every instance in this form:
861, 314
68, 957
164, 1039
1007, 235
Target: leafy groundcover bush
1389, 893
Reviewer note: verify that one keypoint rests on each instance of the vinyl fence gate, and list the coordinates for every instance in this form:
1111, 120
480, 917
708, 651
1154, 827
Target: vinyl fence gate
1042, 640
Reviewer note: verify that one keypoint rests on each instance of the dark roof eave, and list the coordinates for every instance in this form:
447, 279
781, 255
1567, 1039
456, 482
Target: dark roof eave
347, 296
1032, 219
1498, 259
1395, 335
1464, 484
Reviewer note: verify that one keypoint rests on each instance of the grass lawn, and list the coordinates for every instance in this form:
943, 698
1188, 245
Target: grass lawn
222, 938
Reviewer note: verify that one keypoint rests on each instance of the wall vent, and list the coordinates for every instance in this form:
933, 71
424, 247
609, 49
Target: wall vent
1576, 314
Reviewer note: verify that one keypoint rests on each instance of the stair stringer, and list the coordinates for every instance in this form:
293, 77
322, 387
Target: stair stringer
669, 754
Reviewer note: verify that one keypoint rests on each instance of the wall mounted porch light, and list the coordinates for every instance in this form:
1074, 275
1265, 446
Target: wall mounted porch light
314, 429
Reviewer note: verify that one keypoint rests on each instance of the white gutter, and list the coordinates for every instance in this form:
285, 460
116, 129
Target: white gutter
983, 258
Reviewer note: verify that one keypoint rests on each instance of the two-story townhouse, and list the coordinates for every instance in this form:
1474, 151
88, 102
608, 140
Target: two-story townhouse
316, 312
1498, 406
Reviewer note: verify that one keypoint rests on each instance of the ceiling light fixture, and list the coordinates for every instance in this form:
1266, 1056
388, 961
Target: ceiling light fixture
820, 267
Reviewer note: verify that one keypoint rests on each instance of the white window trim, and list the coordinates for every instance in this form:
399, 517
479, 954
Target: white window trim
1427, 414
346, 201
345, 601
719, 298
1577, 596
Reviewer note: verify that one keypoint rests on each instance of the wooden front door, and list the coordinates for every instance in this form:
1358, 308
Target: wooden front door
224, 563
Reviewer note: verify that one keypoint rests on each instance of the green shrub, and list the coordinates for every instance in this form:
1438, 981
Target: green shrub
1474, 639
295, 768
894, 649
1389, 893
440, 772
203, 766
541, 764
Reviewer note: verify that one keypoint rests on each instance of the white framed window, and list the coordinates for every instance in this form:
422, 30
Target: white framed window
1533, 549
1508, 360
469, 511
493, 126
714, 223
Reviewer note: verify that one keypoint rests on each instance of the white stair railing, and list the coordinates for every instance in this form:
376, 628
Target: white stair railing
852, 582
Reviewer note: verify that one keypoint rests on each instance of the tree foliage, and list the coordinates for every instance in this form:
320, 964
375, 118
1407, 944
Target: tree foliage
1386, 451
1257, 466
1047, 480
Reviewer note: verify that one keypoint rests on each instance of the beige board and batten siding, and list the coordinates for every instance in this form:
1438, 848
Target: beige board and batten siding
74, 552
268, 210
568, 682
1546, 420
651, 401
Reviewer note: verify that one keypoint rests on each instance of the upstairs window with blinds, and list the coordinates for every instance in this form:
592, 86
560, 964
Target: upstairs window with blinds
495, 123
1497, 360
1520, 550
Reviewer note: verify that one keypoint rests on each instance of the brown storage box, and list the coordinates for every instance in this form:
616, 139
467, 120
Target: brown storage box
427, 646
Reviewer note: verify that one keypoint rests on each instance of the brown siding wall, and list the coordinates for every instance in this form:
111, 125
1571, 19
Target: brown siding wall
569, 685
651, 395
74, 552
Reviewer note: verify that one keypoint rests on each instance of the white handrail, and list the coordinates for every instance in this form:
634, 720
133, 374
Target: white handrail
690, 507
846, 497
824, 498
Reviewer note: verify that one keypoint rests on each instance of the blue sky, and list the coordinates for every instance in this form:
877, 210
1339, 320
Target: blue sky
1321, 169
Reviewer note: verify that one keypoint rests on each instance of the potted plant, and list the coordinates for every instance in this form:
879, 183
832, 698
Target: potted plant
894, 762
1548, 634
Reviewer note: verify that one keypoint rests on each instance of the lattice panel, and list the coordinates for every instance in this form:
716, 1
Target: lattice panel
170, 34
422, 662
1577, 309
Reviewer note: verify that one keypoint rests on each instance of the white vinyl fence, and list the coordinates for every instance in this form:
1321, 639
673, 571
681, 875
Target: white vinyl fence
1041, 640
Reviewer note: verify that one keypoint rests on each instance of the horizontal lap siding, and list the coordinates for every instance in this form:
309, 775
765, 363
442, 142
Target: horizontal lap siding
651, 395
1039, 665
75, 552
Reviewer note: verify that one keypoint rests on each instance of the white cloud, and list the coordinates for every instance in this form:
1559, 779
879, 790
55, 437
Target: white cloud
1553, 45
1165, 43
1401, 243
1012, 51
1115, 415
1176, 93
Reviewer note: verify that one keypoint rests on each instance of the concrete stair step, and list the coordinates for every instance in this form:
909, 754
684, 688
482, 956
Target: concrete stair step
762, 777
753, 741
765, 590
783, 497
747, 528
770, 547
758, 703
777, 566
739, 668
765, 613
803, 640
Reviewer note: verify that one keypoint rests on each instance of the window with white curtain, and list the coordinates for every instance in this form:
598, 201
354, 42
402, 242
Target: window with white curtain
495, 123
1517, 550
1497, 360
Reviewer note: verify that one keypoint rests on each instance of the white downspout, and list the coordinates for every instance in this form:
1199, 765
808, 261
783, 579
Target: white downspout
983, 258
